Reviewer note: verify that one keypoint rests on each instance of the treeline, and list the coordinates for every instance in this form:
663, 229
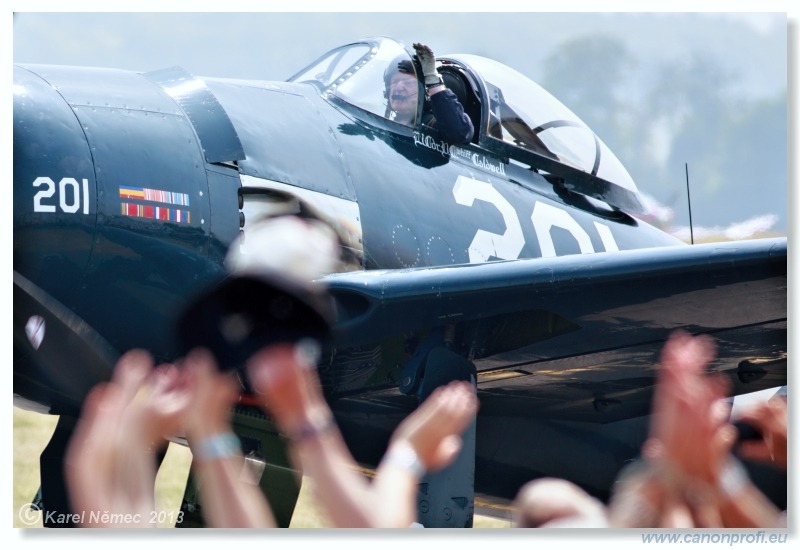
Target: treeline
660, 116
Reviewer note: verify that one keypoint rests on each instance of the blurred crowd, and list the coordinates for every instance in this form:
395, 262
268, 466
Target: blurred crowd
689, 473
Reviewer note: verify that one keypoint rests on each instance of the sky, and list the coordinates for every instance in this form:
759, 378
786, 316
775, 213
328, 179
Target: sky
273, 46
226, 45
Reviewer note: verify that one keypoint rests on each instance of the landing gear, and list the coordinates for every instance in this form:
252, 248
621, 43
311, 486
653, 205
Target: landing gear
446, 498
52, 498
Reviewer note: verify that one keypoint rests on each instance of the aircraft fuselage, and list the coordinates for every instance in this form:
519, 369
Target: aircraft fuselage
129, 189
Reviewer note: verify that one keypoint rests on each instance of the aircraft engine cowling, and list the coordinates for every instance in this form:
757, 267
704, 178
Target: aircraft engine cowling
113, 199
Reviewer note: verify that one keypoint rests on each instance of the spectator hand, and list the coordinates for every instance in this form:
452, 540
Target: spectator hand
689, 414
770, 419
434, 429
109, 464
213, 395
286, 377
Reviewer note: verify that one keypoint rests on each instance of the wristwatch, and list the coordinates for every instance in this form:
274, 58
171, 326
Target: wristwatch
439, 81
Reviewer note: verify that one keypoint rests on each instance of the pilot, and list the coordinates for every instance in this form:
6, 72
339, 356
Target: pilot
446, 113
402, 92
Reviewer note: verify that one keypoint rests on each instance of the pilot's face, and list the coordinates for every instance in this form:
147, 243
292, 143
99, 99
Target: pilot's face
403, 93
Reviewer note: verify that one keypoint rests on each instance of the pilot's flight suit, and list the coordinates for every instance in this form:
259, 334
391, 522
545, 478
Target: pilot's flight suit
449, 118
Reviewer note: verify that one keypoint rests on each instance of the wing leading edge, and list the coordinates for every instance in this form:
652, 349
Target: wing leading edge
574, 337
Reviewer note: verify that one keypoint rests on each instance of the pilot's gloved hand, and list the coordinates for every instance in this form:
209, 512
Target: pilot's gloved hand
428, 62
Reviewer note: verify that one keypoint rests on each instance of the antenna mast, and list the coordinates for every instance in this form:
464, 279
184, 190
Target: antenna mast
689, 198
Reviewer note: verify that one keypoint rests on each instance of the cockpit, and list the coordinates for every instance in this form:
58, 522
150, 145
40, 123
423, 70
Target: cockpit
514, 117
361, 74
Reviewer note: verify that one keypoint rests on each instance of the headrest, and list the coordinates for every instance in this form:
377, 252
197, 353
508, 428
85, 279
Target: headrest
455, 83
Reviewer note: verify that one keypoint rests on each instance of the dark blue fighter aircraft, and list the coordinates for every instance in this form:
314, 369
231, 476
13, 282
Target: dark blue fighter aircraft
516, 260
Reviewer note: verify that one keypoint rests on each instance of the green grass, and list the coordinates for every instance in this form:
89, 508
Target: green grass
32, 431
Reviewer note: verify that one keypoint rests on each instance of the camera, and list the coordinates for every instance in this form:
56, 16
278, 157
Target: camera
243, 313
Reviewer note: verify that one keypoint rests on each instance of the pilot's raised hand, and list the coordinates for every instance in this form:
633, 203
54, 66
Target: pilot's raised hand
428, 62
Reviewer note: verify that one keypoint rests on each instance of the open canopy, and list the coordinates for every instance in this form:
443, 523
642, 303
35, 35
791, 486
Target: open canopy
515, 117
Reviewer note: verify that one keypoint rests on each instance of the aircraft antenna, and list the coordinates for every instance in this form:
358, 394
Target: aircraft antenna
689, 199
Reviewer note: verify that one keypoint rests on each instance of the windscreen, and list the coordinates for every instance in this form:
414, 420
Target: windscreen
360, 74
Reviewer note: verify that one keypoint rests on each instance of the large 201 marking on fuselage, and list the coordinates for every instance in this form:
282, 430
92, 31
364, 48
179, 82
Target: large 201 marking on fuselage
70, 195
509, 245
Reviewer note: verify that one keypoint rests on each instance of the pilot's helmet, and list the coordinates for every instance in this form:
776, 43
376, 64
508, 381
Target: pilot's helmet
400, 64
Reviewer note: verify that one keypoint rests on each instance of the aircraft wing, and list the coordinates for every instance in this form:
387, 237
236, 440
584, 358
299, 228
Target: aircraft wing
574, 337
